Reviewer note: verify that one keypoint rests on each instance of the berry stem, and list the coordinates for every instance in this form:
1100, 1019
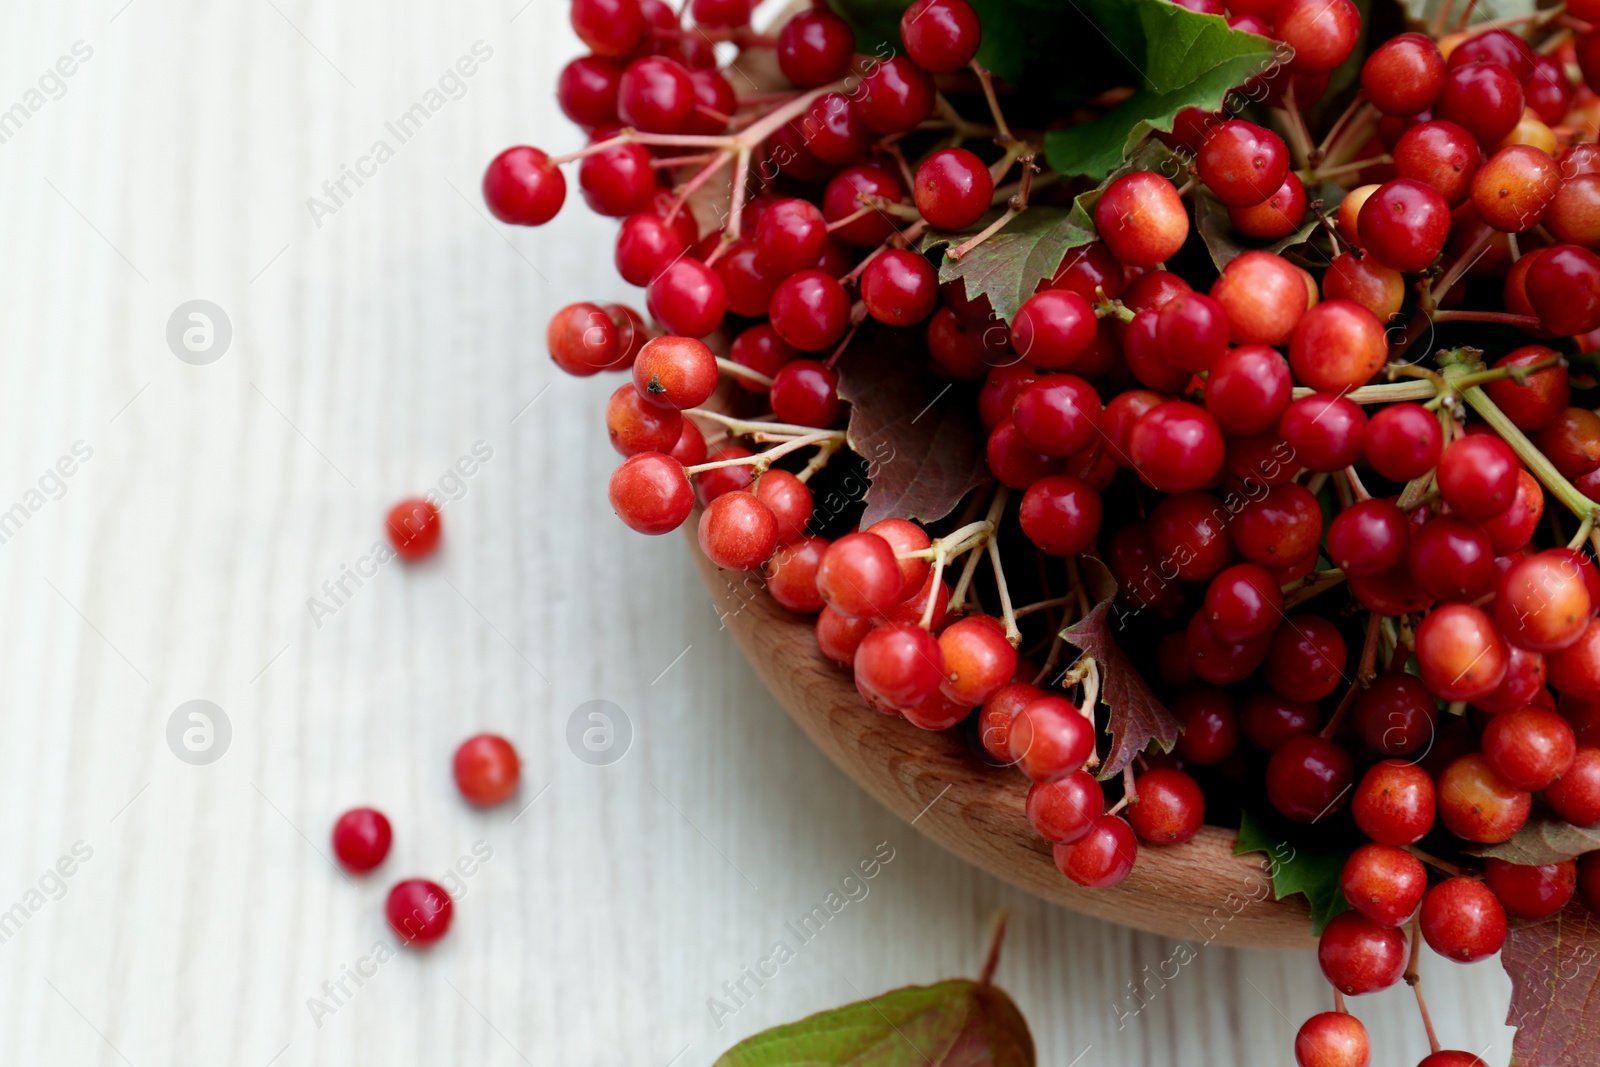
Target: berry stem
1319, 153
1382, 394
825, 452
1297, 593
741, 371
997, 508
1299, 136
1521, 322
1584, 529
955, 254
763, 460
1316, 175
1338, 1002
987, 82
992, 960
741, 175
1365, 673
705, 174
1041, 605
1452, 869
745, 427
1356, 486
1463, 263
939, 556
1414, 980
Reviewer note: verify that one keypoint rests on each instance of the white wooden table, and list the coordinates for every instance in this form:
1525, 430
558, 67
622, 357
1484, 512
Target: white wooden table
373, 345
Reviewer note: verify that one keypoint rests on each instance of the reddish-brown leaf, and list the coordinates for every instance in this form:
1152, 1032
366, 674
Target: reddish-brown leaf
1544, 839
920, 437
1554, 966
1136, 716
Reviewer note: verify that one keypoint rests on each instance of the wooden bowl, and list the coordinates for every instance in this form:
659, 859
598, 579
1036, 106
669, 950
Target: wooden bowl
1198, 891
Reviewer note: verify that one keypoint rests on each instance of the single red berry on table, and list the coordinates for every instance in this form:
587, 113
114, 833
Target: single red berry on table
414, 528
419, 911
361, 838
487, 769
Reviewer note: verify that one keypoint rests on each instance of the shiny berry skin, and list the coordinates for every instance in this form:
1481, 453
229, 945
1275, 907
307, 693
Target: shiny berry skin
1461, 653
1244, 603
675, 372
838, 636
1531, 892
790, 501
1358, 956
1404, 75
713, 483
1452, 1058
1307, 658
646, 245
1395, 715
521, 186
1014, 462
900, 664
897, 95
806, 393
1368, 538
900, 287
1486, 98
587, 91
1462, 920
747, 289
1440, 155
1394, 803
1280, 528
1170, 810
1327, 432
1540, 398
656, 95
814, 48
414, 527
1248, 389
1102, 857
860, 577
1574, 215
1061, 514
1264, 296
419, 911
1054, 328
1337, 346
1267, 720
842, 199
1383, 883
1452, 559
1475, 805
1379, 289
689, 298
1189, 533
738, 532
486, 769
1576, 795
978, 659
1142, 219
1050, 739
1564, 288
1332, 1039
791, 576
361, 839
941, 36
1058, 415
1177, 447
1309, 778
608, 27
1515, 188
650, 493
1065, 810
1542, 604
1405, 224
1191, 331
1322, 32
1404, 442
790, 236
1277, 216
995, 730
635, 425
810, 311
1210, 726
618, 181
953, 189
905, 537
1242, 163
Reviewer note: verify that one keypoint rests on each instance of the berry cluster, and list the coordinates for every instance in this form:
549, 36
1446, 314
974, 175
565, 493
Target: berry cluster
1330, 524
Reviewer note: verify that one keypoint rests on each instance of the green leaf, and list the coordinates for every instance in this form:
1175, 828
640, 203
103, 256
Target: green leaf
958, 1023
1225, 243
1008, 267
1296, 867
1544, 839
1137, 717
1189, 60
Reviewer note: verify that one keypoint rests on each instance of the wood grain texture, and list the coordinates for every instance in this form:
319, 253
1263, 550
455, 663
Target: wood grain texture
369, 355
935, 782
